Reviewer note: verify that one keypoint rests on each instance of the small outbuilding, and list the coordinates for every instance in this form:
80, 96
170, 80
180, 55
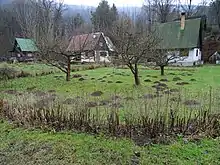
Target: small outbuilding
215, 58
24, 49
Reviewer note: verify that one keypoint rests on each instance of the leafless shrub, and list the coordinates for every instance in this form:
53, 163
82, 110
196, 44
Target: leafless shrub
148, 117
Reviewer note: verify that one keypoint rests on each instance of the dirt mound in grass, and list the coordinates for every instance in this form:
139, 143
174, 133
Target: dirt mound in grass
97, 93
192, 103
162, 85
91, 104
182, 83
82, 79
164, 80
177, 79
69, 101
174, 90
156, 82
192, 79
77, 76
119, 82
147, 80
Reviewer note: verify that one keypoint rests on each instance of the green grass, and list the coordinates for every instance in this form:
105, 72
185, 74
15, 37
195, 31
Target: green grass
22, 146
205, 77
31, 68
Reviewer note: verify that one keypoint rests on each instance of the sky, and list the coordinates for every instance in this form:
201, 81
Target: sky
117, 2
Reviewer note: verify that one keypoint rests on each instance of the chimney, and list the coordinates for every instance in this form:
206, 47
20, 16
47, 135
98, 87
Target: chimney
183, 20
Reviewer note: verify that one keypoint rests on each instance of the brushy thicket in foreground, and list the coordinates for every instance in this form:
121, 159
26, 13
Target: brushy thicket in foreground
141, 118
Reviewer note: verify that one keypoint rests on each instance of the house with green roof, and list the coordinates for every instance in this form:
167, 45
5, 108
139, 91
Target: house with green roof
184, 38
24, 48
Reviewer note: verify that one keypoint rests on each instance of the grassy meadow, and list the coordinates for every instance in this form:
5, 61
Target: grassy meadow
119, 80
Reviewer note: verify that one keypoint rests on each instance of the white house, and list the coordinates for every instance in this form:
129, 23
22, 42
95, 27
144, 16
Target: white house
93, 47
192, 57
183, 39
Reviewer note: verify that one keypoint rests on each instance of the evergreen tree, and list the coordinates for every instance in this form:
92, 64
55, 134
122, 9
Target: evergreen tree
78, 21
104, 16
114, 13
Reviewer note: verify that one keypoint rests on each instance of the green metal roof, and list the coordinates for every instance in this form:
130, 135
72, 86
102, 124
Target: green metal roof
172, 37
26, 45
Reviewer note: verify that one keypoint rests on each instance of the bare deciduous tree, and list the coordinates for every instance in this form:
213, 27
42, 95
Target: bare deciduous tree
160, 9
215, 11
163, 57
132, 46
188, 8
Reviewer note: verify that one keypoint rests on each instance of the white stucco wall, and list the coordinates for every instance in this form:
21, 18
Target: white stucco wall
98, 57
194, 57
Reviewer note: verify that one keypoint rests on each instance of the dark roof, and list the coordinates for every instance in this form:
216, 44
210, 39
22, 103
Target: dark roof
26, 45
172, 37
88, 42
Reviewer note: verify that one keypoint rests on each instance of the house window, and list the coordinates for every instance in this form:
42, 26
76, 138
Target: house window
197, 52
103, 54
100, 44
29, 55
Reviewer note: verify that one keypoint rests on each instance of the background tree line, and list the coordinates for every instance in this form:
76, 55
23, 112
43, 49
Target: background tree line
103, 16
